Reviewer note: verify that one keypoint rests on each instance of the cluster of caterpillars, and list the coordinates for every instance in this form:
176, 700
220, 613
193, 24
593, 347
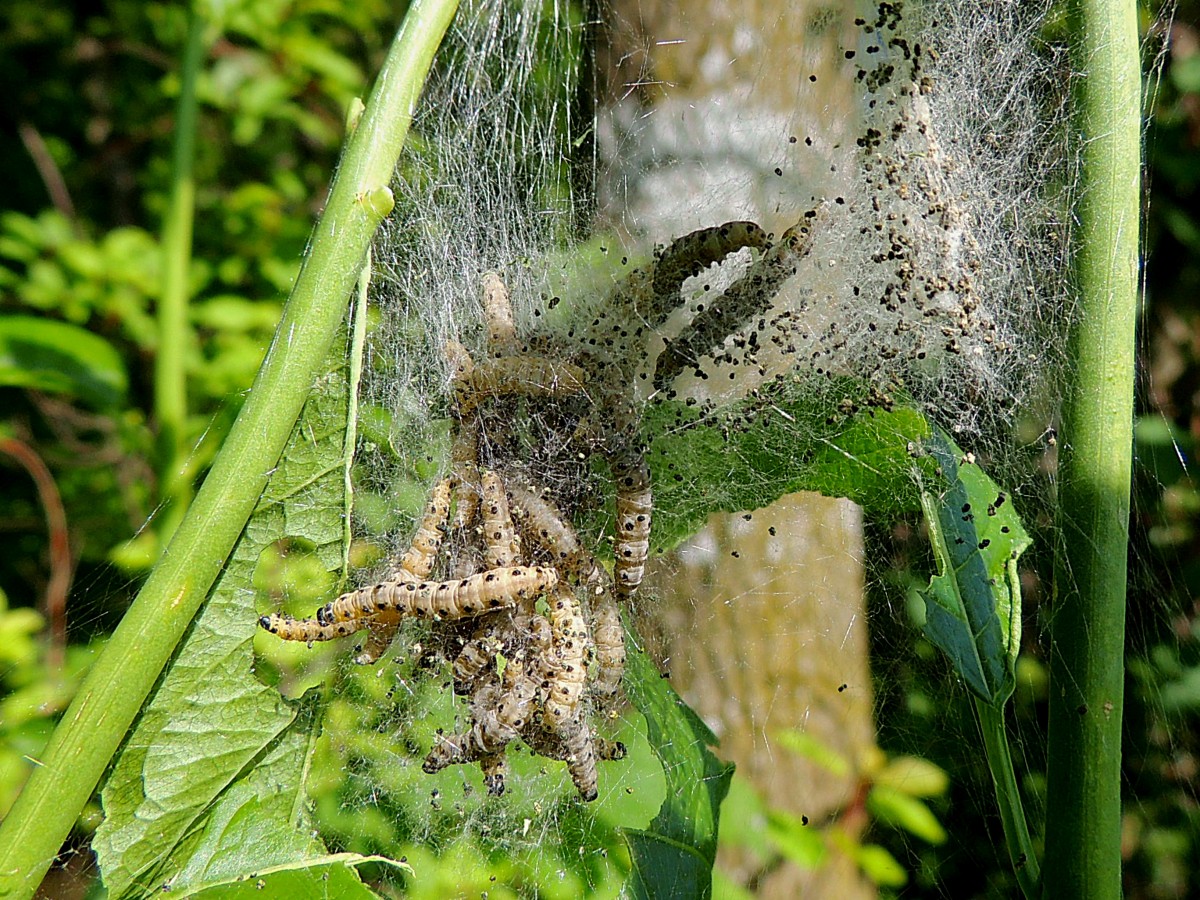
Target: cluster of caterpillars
533, 619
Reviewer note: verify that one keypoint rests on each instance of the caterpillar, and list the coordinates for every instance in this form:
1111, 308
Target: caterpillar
497, 313
507, 376
307, 630
747, 296
565, 668
419, 559
651, 293
476, 656
493, 589
572, 743
581, 758
542, 522
499, 535
464, 466
634, 511
381, 631
416, 564
495, 726
693, 253
609, 639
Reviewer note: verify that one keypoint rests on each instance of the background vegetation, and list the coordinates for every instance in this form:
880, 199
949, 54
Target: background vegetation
89, 113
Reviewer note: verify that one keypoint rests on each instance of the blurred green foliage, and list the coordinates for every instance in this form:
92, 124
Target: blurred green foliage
31, 694
88, 114
894, 796
88, 146
1162, 712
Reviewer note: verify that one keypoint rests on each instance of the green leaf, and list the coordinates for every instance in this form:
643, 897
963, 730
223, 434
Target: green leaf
259, 834
725, 888
744, 820
316, 878
900, 810
914, 776
1182, 694
674, 856
973, 604
751, 453
880, 866
187, 790
807, 746
803, 845
47, 355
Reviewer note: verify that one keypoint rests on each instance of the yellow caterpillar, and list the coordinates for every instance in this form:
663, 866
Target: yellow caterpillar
545, 525
609, 639
416, 565
497, 313
566, 666
634, 511
499, 535
443, 600
493, 589
573, 743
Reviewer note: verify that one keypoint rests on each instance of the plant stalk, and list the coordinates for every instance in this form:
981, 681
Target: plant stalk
174, 335
1008, 799
1083, 824
97, 720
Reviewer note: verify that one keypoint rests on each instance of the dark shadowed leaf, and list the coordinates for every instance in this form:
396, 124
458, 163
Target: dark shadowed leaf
60, 358
674, 856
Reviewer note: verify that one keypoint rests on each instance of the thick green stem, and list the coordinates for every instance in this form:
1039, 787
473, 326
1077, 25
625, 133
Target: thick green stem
170, 374
1008, 798
97, 720
1083, 802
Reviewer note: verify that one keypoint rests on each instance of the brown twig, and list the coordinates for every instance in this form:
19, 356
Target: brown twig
56, 185
55, 602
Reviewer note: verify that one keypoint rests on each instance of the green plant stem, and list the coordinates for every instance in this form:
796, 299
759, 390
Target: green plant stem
1083, 801
170, 373
1008, 798
97, 720
358, 344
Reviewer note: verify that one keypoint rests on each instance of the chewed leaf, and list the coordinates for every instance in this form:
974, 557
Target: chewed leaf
213, 751
61, 358
674, 856
973, 606
762, 448
314, 878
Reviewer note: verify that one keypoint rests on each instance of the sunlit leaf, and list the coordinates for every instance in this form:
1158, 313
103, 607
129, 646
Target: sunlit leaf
903, 811
880, 866
264, 816
188, 777
973, 604
755, 451
914, 776
806, 745
317, 878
